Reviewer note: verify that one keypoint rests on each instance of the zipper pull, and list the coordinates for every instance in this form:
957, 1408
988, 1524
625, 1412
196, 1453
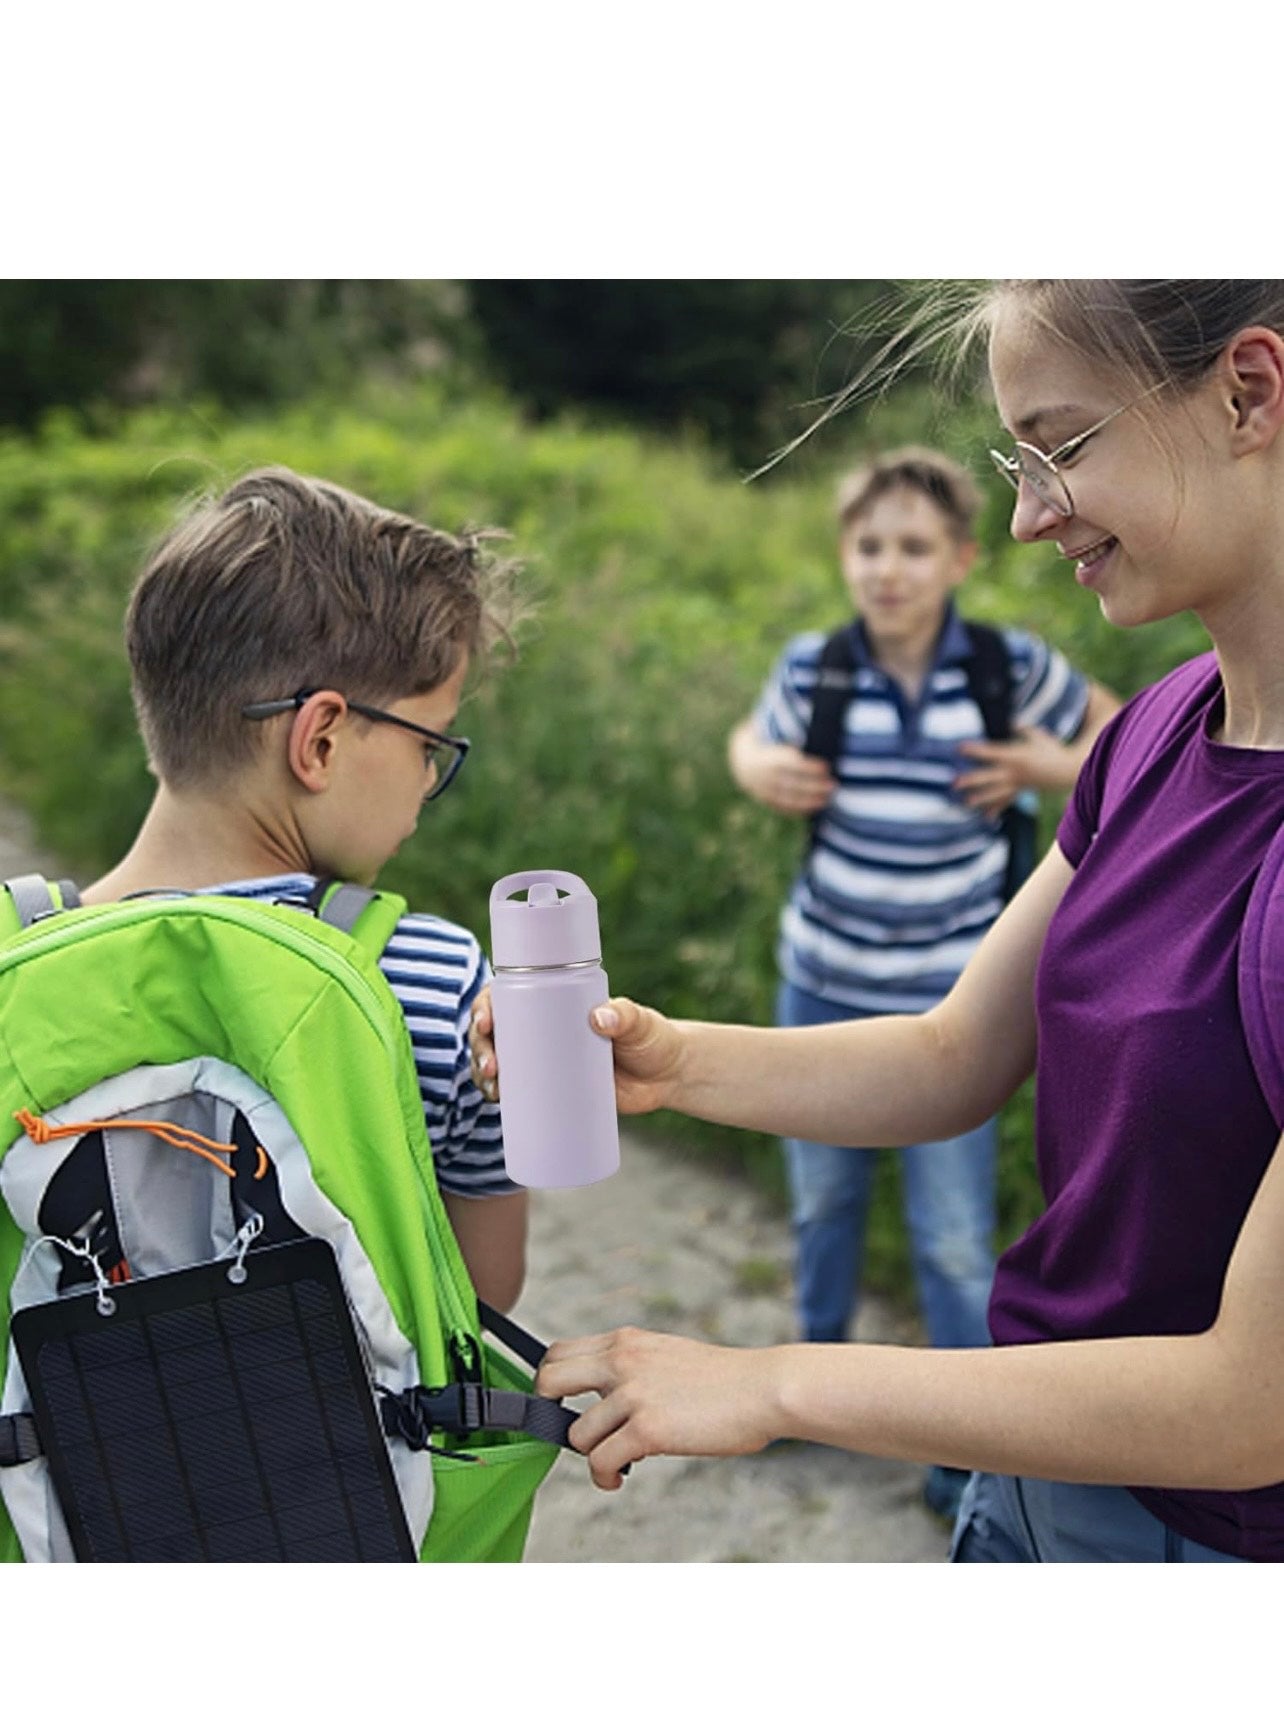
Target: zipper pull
466, 1357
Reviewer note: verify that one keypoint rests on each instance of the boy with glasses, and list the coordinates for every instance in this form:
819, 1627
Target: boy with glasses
298, 656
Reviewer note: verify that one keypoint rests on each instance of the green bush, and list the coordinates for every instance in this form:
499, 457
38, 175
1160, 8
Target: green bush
667, 588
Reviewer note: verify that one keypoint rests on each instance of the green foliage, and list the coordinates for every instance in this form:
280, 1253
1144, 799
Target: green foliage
729, 357
84, 342
667, 589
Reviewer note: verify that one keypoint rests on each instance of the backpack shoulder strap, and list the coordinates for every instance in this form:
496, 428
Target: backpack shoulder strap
989, 684
32, 898
337, 903
989, 678
1261, 977
369, 916
824, 738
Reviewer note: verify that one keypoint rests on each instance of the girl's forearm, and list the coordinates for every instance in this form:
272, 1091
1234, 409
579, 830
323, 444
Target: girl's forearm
893, 1080
1162, 1411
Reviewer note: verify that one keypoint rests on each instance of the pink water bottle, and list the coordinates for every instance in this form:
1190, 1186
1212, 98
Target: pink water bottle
557, 1085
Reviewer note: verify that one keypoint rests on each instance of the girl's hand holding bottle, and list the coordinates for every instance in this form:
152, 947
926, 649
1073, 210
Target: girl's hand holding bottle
648, 1053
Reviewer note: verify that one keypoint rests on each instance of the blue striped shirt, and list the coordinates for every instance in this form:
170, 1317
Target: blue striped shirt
904, 879
435, 969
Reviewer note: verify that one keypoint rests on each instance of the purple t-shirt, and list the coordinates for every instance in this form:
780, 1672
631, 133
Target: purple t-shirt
1153, 1132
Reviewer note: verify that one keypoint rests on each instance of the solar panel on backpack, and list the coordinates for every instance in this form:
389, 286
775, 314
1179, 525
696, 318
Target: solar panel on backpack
213, 1420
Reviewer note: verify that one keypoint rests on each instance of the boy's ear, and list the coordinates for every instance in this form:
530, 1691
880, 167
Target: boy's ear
313, 735
1253, 385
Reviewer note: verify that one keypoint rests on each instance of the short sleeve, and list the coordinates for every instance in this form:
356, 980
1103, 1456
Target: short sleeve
782, 714
436, 970
1082, 816
1126, 744
1046, 691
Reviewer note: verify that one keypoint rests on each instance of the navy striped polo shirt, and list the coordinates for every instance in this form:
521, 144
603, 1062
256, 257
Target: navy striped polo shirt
904, 879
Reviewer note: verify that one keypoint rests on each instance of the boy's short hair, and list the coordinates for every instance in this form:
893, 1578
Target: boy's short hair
284, 582
943, 480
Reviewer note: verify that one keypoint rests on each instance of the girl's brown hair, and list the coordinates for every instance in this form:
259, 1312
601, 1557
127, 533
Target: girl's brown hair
1144, 331
1149, 331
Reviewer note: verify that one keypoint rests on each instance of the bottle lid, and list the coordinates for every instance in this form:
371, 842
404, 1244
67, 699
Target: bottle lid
556, 925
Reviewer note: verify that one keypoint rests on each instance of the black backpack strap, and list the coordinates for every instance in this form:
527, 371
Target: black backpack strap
19, 1439
989, 679
989, 684
824, 738
527, 1347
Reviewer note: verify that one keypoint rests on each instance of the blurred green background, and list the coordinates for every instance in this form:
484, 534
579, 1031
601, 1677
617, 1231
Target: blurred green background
608, 426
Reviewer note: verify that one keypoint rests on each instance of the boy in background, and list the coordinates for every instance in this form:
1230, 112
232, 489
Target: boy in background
907, 867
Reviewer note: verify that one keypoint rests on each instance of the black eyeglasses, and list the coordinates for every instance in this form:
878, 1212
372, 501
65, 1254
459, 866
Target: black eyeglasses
455, 745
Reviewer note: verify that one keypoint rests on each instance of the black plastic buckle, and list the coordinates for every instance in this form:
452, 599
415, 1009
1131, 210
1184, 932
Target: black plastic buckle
457, 1409
416, 1413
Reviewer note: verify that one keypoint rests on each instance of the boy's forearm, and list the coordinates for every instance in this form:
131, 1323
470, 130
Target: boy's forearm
1058, 766
743, 747
492, 1239
1053, 767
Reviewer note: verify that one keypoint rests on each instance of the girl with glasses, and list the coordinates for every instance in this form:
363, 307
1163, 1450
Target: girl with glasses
1135, 1389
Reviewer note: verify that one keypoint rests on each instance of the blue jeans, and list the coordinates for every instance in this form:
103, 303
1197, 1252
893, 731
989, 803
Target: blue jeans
1005, 1520
949, 1190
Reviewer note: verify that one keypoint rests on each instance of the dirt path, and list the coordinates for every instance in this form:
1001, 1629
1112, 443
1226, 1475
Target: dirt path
676, 1243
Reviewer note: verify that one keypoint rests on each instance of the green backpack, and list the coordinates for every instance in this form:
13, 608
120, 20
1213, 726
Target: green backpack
235, 1320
